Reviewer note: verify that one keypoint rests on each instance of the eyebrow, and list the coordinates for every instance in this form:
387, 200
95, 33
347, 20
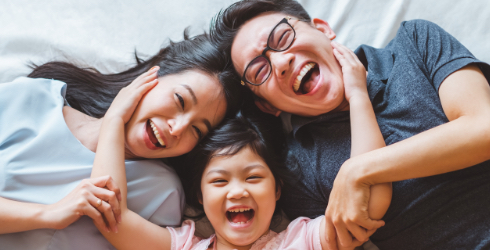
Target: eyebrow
224, 172
194, 100
191, 92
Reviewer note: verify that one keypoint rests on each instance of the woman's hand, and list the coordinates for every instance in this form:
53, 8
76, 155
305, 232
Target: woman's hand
128, 98
84, 200
353, 71
346, 216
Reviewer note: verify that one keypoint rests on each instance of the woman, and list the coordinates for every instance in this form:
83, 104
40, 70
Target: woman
50, 148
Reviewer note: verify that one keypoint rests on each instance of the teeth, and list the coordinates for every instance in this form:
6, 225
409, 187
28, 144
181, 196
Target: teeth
301, 74
157, 135
239, 210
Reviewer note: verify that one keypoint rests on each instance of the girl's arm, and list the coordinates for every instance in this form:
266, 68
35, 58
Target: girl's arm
18, 216
134, 232
366, 136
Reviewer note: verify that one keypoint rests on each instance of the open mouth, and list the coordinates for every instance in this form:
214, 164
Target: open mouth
153, 134
240, 215
306, 80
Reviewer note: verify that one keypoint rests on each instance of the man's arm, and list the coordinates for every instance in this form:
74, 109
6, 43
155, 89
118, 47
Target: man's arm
462, 142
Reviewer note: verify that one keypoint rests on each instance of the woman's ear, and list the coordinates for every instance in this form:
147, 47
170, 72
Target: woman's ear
199, 197
266, 107
278, 192
323, 26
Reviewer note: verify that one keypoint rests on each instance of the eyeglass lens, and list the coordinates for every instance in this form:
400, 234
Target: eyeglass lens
280, 39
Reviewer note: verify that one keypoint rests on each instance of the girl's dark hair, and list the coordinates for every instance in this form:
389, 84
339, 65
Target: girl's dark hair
92, 92
259, 131
227, 23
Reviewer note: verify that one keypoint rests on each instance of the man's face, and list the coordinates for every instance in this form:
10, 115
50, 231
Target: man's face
306, 79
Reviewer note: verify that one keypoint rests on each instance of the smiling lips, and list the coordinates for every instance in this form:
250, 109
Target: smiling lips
154, 135
304, 82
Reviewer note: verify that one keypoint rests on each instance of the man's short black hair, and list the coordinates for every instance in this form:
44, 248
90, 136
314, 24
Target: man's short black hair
227, 22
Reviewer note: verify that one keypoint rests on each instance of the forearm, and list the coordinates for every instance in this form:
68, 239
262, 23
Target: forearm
366, 135
109, 158
449, 147
20, 216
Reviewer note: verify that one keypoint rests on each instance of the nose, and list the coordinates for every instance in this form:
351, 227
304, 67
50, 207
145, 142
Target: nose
237, 192
178, 126
281, 62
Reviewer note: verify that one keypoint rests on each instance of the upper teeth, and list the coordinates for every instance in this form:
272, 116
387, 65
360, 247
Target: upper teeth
301, 74
239, 210
157, 135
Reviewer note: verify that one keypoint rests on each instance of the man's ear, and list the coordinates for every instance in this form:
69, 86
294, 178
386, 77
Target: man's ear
324, 27
266, 107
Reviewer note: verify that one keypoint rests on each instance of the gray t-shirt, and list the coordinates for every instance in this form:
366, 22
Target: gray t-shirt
446, 211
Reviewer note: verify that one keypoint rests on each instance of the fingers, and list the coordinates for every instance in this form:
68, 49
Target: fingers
331, 235
111, 195
96, 216
107, 182
344, 55
106, 210
345, 238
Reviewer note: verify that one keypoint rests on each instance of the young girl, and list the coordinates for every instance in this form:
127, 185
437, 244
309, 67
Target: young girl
238, 177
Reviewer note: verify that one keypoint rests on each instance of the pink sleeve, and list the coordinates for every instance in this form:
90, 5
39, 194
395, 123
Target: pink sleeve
302, 233
183, 237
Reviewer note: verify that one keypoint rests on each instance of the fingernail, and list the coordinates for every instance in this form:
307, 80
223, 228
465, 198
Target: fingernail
153, 68
119, 219
116, 229
334, 42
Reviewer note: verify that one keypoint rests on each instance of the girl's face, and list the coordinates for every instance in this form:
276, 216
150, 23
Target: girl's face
239, 197
172, 117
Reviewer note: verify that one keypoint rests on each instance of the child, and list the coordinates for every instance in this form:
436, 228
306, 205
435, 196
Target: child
238, 180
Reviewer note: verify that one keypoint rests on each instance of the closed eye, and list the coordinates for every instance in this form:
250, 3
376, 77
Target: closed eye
181, 100
198, 131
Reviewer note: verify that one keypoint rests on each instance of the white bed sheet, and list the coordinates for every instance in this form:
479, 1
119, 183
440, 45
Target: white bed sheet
105, 33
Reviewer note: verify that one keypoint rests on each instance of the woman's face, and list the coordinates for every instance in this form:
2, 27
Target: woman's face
172, 117
239, 197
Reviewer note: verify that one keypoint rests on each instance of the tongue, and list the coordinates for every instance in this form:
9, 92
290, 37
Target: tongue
239, 217
150, 133
308, 86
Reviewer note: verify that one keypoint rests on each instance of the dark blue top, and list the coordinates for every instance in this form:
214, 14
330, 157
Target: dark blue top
446, 211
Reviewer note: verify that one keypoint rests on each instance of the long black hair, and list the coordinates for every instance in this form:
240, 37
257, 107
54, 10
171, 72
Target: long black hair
259, 131
92, 92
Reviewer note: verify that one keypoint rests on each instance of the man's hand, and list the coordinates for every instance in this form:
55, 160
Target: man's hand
346, 217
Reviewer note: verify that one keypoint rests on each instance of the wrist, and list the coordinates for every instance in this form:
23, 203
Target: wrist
42, 217
358, 95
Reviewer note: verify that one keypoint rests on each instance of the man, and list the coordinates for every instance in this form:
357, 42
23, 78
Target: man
432, 102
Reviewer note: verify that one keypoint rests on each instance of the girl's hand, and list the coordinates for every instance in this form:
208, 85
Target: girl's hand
346, 216
128, 98
84, 200
352, 69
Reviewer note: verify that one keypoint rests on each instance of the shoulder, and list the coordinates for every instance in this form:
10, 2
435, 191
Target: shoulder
183, 237
302, 233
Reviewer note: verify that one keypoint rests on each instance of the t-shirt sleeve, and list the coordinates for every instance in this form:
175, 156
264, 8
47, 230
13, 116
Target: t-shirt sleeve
183, 237
302, 233
436, 51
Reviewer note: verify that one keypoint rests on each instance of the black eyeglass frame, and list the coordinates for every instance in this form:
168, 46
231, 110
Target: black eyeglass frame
267, 48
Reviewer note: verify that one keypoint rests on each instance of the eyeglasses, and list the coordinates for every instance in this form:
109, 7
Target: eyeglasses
260, 68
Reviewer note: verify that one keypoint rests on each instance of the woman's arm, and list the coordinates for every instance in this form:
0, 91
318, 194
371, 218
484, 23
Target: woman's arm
134, 232
462, 142
18, 216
